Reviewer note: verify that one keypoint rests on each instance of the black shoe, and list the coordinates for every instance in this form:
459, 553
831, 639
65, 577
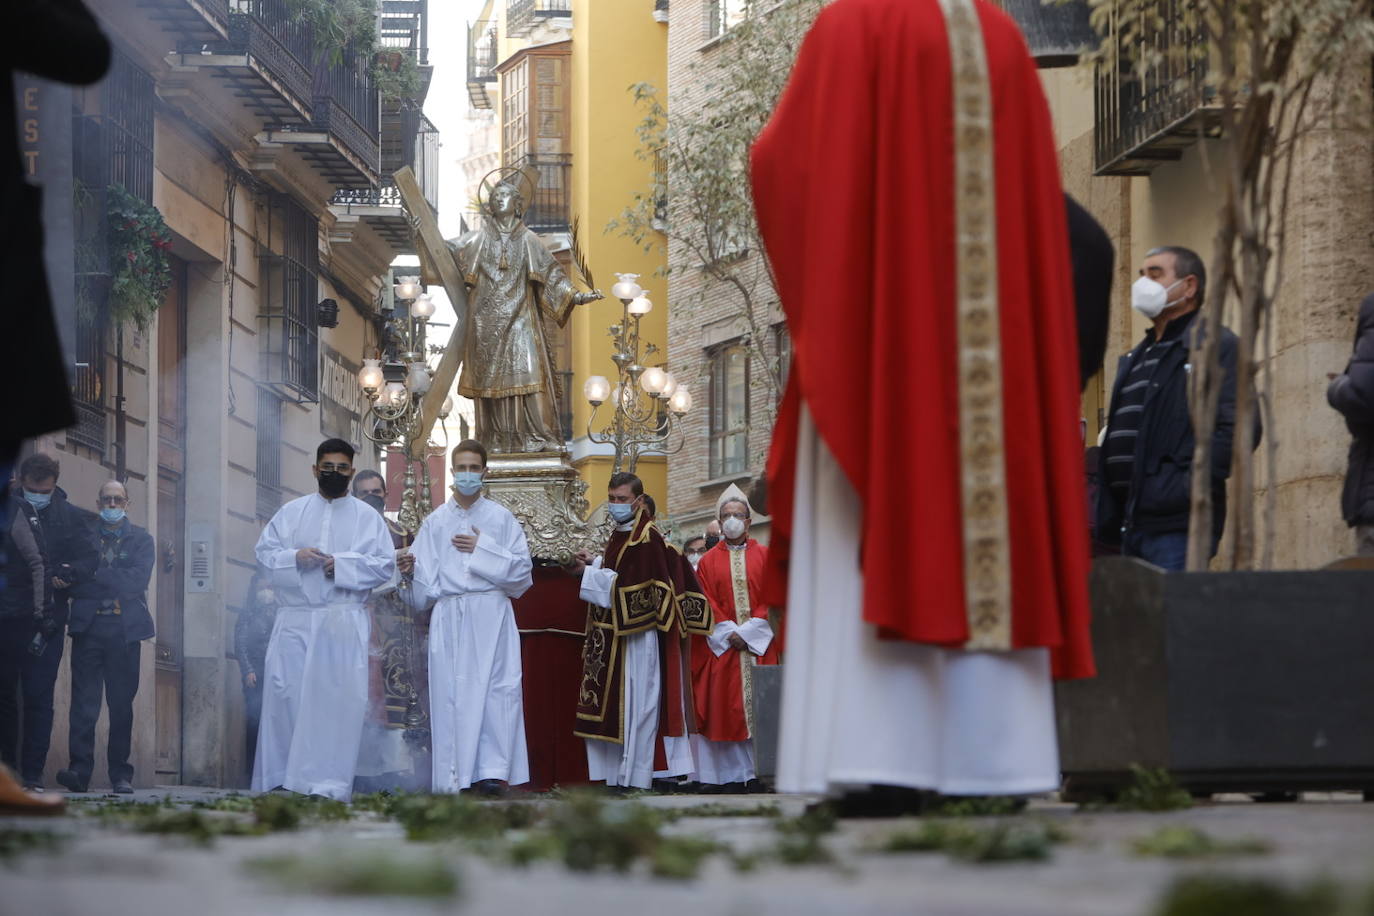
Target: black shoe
123, 787
70, 781
490, 788
34, 787
882, 801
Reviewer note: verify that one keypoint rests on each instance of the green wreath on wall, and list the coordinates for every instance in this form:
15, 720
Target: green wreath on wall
140, 257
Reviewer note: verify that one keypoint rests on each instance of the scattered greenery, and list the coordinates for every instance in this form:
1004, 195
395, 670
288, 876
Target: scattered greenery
1150, 790
371, 876
1179, 841
1006, 841
140, 256
978, 806
716, 810
1230, 895
15, 842
800, 838
195, 825
447, 817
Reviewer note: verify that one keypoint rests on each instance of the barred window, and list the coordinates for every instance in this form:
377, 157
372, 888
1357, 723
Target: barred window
269, 434
290, 296
112, 143
729, 420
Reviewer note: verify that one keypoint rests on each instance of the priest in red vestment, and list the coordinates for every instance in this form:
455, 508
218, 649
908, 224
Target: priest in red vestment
634, 700
731, 577
927, 485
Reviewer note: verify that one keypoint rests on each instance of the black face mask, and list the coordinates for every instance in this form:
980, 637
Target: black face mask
712, 540
375, 500
333, 484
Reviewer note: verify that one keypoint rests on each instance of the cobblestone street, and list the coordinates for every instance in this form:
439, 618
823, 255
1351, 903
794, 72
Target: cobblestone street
107, 867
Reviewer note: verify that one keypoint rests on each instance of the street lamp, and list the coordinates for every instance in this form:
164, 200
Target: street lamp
394, 384
638, 423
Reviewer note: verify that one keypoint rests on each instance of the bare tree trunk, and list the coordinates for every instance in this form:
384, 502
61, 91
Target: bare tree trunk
1242, 456
1205, 392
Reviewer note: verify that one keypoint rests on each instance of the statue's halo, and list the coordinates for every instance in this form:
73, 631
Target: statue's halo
527, 177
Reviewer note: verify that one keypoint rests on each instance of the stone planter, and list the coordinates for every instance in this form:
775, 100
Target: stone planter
1241, 682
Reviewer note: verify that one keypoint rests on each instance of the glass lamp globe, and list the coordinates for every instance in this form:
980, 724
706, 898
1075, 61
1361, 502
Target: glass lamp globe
370, 376
669, 385
417, 378
446, 408
626, 288
394, 395
408, 288
422, 308
653, 380
680, 402
641, 304
596, 389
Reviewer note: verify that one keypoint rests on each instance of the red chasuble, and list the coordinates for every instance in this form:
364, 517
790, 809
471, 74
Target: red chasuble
718, 681
868, 194
654, 590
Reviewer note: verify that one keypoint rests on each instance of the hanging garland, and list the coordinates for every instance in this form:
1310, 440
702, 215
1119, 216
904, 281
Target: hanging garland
140, 266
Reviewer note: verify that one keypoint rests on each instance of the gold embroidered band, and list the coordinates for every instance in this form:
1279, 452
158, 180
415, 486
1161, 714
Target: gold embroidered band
987, 548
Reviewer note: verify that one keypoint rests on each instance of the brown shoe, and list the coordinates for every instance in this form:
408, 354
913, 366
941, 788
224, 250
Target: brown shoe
14, 800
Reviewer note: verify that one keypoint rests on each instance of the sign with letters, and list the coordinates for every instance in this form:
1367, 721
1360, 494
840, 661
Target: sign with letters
340, 397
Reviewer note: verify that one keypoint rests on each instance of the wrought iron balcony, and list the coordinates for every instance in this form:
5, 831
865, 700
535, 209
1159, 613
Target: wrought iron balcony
194, 22
347, 108
1057, 33
522, 15
551, 209
1143, 119
483, 41
408, 138
275, 48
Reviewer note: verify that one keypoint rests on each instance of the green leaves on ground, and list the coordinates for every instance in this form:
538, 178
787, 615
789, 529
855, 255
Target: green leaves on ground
17, 842
1234, 895
799, 838
1150, 790
1004, 841
354, 875
1179, 841
447, 817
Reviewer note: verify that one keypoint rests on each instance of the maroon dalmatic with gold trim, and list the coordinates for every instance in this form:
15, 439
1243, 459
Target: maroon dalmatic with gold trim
654, 590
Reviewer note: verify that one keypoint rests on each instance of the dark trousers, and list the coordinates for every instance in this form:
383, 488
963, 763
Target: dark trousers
252, 715
27, 679
102, 659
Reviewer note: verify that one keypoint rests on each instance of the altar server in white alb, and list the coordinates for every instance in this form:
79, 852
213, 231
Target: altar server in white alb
323, 554
472, 559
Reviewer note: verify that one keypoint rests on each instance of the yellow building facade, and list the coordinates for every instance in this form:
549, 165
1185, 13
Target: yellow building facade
560, 79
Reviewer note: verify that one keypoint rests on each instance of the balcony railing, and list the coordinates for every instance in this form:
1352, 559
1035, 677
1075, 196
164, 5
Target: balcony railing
1143, 119
521, 15
194, 22
551, 209
277, 41
346, 105
482, 55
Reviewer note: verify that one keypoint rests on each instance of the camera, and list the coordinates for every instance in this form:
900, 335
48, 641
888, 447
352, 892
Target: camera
47, 629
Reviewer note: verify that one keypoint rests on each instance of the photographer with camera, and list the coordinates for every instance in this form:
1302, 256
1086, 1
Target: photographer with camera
31, 646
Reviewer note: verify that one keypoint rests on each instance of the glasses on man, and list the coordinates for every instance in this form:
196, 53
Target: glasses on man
114, 501
339, 468
739, 515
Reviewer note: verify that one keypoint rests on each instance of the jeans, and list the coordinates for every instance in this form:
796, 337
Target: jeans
32, 677
102, 659
1168, 550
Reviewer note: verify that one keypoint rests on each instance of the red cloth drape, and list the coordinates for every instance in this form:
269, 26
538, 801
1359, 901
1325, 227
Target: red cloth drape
854, 187
551, 618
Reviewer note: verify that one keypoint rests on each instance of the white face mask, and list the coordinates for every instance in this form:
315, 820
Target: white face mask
1150, 298
694, 559
732, 528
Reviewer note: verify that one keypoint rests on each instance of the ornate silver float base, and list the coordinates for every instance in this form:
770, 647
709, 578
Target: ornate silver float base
549, 499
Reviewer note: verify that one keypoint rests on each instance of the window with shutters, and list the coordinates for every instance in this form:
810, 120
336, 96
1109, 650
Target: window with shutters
729, 421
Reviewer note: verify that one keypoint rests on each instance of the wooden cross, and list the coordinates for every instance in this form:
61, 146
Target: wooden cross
435, 257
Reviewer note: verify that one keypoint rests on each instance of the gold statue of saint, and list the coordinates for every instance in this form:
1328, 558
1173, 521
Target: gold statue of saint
513, 284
